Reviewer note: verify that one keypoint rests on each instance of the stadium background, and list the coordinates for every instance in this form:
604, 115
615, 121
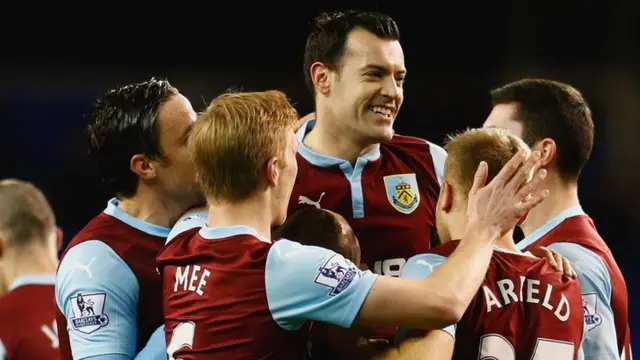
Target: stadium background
53, 66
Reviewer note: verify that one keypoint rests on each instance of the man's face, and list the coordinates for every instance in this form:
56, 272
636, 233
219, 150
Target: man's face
503, 116
177, 171
367, 91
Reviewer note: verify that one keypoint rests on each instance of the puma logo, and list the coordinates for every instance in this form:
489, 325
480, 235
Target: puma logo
305, 200
422, 262
86, 268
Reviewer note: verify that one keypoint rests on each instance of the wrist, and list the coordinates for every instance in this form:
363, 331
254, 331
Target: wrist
482, 233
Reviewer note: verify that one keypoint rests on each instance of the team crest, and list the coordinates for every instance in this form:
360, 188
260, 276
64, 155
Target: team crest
402, 192
590, 307
336, 274
88, 312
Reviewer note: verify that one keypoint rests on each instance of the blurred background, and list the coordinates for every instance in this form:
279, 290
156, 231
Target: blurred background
52, 67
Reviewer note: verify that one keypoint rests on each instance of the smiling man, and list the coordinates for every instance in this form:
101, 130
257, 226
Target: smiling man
351, 162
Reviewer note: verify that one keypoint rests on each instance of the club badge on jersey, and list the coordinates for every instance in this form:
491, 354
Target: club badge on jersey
402, 192
590, 308
336, 274
88, 312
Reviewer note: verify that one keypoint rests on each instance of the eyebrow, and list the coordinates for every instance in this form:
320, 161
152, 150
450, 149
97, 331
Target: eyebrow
380, 68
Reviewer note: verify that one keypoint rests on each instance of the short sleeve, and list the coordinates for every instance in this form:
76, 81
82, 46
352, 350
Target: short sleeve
98, 294
600, 341
439, 156
312, 283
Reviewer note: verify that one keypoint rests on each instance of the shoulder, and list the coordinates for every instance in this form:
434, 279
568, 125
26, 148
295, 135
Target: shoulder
193, 219
92, 264
421, 150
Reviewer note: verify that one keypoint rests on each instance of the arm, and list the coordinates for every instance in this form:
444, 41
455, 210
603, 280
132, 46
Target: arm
109, 291
3, 351
311, 283
420, 344
600, 340
435, 345
437, 301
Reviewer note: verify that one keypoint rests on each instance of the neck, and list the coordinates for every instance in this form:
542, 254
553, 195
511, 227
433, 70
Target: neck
563, 195
29, 260
330, 139
460, 223
250, 212
148, 206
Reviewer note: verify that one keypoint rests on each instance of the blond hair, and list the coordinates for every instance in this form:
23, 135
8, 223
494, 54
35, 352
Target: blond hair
233, 139
25, 213
467, 149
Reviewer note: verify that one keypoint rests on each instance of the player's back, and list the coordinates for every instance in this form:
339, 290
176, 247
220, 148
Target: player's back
215, 300
573, 234
389, 193
523, 310
27, 319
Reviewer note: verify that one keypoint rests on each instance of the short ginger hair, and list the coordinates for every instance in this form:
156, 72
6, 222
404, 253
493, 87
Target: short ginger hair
467, 149
233, 139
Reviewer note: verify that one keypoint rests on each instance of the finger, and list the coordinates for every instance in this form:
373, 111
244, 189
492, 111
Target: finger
531, 201
568, 269
480, 178
521, 177
510, 168
550, 258
543, 252
525, 192
559, 261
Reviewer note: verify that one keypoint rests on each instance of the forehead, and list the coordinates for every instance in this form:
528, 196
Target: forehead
175, 116
503, 116
364, 48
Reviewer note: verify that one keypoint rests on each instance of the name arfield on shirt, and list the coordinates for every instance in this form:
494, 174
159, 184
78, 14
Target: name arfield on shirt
191, 278
528, 291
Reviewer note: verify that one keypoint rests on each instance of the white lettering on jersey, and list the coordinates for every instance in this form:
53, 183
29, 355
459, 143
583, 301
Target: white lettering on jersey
389, 267
188, 276
52, 334
530, 295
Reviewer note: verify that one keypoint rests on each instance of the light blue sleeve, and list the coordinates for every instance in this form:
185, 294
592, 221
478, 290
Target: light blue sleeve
156, 348
420, 267
600, 341
188, 221
312, 283
109, 357
98, 293
439, 156
3, 351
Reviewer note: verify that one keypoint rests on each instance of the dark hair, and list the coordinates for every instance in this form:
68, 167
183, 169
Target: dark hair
25, 213
318, 227
551, 109
124, 124
326, 42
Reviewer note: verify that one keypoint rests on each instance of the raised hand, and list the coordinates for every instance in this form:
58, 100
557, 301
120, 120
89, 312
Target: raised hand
499, 205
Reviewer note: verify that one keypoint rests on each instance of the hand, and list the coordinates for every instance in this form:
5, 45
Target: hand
559, 262
499, 205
